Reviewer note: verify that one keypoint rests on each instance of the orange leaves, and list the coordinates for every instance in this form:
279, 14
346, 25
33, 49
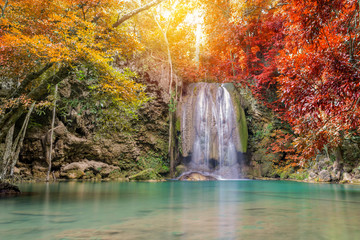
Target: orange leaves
34, 34
255, 49
286, 144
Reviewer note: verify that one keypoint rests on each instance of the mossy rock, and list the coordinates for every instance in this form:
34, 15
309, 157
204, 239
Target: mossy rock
299, 176
285, 174
178, 125
74, 174
180, 170
89, 175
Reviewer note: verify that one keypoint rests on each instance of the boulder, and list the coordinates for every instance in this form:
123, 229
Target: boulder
324, 176
322, 162
312, 175
346, 177
195, 176
73, 174
347, 168
335, 175
87, 169
356, 172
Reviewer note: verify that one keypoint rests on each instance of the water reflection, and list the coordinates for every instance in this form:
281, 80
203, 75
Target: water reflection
182, 210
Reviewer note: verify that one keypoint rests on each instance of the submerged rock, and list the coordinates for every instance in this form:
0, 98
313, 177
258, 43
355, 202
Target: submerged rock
195, 176
8, 189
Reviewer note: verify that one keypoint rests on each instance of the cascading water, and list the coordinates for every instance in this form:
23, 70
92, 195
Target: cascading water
209, 122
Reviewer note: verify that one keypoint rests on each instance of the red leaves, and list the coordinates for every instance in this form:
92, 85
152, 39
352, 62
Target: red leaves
319, 82
302, 60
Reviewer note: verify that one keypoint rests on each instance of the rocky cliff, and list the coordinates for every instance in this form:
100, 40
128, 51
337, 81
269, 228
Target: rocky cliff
81, 151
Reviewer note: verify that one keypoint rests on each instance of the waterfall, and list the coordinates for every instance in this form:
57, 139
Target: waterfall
209, 124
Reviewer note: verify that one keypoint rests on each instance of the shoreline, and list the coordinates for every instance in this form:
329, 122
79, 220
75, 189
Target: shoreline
15, 183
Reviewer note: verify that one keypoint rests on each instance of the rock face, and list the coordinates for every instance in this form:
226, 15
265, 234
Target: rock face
81, 153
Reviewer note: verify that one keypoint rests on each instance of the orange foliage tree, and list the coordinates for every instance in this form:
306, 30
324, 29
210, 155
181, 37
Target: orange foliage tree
42, 41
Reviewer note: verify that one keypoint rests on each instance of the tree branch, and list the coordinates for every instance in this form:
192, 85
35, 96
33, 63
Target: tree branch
3, 8
136, 11
36, 94
28, 79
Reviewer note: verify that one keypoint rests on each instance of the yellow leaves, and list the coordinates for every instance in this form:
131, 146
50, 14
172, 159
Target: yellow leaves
250, 9
61, 31
35, 33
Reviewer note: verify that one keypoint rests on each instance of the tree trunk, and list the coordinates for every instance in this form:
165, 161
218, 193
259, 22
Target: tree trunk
171, 113
339, 155
3, 8
7, 153
20, 139
171, 143
172, 134
52, 133
28, 79
13, 148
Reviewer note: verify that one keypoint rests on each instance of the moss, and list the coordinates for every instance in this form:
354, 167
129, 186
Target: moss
299, 175
180, 170
284, 175
178, 125
148, 174
243, 130
155, 161
162, 145
240, 116
88, 175
115, 174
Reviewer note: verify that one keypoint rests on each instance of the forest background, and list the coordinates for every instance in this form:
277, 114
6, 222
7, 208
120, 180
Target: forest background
296, 63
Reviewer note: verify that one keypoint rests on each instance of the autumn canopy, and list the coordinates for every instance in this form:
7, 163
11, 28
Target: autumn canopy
299, 58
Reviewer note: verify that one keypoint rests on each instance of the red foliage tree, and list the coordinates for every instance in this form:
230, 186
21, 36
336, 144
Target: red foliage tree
300, 58
320, 82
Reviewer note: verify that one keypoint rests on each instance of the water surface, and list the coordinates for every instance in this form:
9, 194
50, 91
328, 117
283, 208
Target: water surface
182, 210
